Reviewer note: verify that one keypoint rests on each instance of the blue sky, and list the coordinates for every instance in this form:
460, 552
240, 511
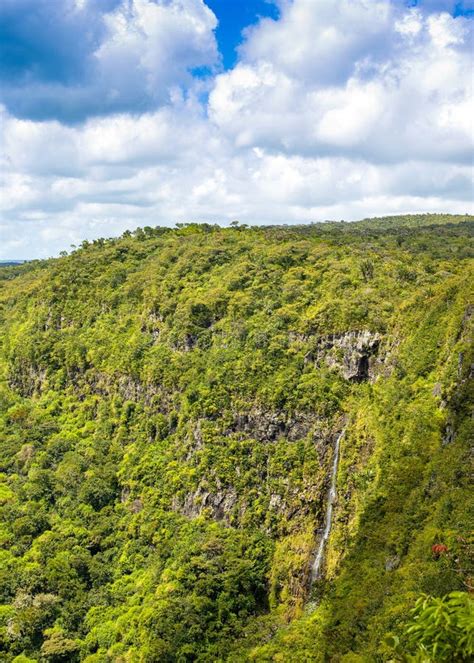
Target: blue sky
47, 62
234, 16
119, 113
48, 67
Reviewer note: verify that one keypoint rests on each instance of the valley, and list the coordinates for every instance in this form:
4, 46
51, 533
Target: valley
238, 444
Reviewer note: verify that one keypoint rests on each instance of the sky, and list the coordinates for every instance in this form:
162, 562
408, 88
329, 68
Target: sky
116, 114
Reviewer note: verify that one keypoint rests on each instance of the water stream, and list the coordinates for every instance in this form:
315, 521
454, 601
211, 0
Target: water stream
331, 498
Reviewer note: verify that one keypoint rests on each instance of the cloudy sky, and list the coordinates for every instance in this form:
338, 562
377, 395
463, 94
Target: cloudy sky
124, 113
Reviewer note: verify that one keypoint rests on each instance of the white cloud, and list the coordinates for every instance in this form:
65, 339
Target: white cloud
337, 110
445, 30
71, 60
401, 83
320, 41
161, 41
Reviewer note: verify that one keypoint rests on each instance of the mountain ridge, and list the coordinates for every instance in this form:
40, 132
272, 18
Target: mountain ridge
169, 405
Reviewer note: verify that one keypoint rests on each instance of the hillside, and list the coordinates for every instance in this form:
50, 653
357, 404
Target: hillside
170, 403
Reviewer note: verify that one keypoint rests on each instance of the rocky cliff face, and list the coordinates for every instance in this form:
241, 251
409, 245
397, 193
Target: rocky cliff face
285, 495
357, 356
354, 354
219, 504
266, 426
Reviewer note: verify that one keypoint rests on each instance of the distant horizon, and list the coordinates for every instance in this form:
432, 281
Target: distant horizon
176, 226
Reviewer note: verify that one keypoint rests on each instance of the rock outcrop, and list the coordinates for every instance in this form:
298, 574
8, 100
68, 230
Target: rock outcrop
220, 504
354, 354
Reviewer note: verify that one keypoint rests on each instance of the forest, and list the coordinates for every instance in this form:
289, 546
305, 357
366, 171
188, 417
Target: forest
170, 402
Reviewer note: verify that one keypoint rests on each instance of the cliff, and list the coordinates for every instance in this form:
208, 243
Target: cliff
169, 407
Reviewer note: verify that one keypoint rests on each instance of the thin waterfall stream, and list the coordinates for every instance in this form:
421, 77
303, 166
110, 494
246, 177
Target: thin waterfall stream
331, 498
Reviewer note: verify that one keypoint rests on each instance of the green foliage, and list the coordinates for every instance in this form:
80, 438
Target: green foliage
440, 629
168, 405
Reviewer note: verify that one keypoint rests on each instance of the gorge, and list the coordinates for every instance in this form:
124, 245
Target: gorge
204, 427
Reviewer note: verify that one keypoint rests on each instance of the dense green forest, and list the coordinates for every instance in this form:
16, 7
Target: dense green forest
169, 406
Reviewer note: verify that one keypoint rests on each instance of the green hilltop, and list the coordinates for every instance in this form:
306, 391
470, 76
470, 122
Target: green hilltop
170, 403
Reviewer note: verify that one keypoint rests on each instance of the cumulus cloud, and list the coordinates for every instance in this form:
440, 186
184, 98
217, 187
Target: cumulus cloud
335, 110
400, 88
319, 41
72, 59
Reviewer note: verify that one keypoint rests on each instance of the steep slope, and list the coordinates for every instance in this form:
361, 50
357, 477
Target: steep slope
170, 403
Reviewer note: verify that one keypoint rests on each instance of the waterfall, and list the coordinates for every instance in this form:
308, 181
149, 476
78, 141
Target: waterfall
331, 498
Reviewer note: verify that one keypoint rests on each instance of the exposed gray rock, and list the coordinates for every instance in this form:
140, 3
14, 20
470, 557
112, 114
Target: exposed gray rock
269, 425
286, 499
275, 501
221, 503
449, 434
136, 506
355, 354
26, 379
392, 563
129, 388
